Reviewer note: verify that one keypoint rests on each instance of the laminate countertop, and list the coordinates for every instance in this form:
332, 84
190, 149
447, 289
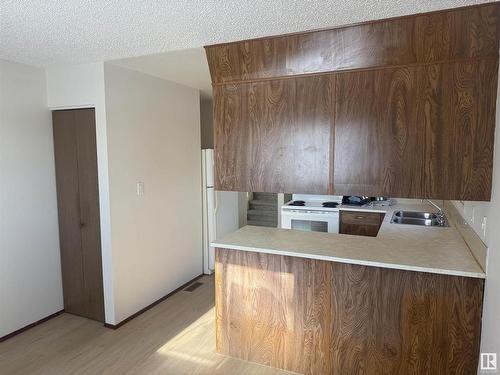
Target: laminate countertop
439, 250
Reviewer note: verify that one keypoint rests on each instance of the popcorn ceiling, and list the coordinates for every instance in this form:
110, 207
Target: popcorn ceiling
48, 32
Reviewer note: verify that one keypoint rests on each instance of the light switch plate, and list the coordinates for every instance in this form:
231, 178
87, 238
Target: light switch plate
140, 188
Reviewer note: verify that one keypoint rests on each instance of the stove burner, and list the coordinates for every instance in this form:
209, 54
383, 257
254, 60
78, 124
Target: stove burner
297, 203
355, 200
330, 204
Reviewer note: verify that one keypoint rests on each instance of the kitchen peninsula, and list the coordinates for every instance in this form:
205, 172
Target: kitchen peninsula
319, 303
402, 107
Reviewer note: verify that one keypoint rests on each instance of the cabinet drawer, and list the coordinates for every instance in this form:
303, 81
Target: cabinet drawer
364, 218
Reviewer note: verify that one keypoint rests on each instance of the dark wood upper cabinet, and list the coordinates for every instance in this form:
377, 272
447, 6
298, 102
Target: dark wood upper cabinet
421, 131
439, 36
403, 107
376, 137
274, 136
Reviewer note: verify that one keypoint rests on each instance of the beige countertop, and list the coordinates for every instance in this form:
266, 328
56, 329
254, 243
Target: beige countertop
406, 247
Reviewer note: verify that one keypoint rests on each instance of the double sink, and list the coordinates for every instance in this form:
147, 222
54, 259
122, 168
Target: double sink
428, 219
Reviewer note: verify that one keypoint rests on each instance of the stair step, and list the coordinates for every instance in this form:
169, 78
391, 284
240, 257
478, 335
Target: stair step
266, 221
265, 213
264, 202
263, 210
262, 215
262, 224
272, 197
263, 205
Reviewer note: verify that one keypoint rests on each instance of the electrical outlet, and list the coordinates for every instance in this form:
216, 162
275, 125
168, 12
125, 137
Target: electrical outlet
483, 226
140, 188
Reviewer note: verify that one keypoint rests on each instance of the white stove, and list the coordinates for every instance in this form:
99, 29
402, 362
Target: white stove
317, 213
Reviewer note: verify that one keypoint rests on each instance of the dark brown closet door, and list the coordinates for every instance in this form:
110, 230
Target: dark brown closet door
78, 205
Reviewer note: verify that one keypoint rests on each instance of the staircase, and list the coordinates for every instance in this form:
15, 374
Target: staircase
263, 210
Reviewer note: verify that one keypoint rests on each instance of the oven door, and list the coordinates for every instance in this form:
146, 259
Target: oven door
311, 221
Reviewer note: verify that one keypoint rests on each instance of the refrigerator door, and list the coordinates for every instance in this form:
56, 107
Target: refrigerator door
220, 211
211, 231
209, 167
208, 196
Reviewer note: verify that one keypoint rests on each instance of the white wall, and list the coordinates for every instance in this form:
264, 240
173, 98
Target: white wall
30, 269
153, 129
80, 86
474, 213
490, 340
227, 218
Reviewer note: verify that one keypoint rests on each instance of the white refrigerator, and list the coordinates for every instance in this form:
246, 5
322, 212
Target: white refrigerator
220, 211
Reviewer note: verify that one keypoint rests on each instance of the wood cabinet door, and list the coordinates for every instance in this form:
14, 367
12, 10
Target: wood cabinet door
455, 34
274, 136
319, 317
416, 132
376, 144
360, 223
360, 229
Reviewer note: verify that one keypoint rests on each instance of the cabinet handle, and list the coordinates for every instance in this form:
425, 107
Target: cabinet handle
360, 217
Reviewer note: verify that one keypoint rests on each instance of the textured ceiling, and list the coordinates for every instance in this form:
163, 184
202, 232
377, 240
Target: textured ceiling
45, 32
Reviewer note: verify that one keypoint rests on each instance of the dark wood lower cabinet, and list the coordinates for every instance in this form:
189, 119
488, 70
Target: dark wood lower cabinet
78, 205
360, 223
320, 317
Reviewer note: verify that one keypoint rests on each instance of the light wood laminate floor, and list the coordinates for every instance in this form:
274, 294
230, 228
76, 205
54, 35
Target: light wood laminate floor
175, 337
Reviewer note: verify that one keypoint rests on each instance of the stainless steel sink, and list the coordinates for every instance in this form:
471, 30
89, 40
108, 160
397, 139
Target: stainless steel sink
428, 219
415, 215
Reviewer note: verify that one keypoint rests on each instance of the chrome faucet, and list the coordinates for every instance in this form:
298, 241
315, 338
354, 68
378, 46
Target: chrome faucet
435, 205
440, 214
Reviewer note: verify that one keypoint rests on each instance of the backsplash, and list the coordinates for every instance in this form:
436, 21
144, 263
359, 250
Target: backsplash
476, 215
